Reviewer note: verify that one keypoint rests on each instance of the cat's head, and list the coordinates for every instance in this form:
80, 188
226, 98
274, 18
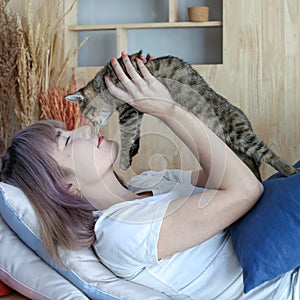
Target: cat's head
92, 104
94, 100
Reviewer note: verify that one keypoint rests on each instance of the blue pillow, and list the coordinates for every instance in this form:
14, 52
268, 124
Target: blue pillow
267, 239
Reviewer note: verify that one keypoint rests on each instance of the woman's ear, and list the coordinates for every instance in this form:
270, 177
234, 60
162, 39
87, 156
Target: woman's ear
73, 189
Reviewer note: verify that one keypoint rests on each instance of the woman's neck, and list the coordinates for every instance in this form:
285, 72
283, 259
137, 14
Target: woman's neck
107, 192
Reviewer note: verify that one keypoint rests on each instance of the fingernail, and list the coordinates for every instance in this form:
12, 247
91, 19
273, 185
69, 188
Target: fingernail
143, 59
112, 60
151, 57
137, 59
124, 54
105, 76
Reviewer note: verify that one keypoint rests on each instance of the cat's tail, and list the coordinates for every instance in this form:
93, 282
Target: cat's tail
255, 148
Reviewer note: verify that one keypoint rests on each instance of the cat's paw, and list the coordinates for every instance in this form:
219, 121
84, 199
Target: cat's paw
290, 171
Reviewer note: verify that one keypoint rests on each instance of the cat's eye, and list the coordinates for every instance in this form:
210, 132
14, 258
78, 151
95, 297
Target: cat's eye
67, 140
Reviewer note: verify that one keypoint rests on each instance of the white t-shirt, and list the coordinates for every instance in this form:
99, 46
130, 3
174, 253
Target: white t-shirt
127, 235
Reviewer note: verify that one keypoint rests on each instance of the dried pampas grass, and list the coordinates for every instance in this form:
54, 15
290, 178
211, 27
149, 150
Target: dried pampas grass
32, 65
8, 73
41, 32
26, 106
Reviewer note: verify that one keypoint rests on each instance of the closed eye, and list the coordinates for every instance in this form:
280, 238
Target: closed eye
67, 140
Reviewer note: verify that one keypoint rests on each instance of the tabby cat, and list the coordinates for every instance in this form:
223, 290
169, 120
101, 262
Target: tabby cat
190, 90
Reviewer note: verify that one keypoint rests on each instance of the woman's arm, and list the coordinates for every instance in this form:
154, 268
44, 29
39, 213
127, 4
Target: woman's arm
232, 189
199, 178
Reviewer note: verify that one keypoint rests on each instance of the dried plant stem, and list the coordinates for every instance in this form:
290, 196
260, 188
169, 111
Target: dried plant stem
32, 64
8, 73
27, 102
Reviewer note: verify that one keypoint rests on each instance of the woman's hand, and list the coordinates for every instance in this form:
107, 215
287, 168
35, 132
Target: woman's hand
147, 94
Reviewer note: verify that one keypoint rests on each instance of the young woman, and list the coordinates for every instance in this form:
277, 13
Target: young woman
159, 231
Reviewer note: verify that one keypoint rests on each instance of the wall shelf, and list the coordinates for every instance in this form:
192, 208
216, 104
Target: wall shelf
122, 29
145, 26
121, 36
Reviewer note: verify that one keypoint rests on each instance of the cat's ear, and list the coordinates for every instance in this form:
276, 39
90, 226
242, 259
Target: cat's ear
140, 53
76, 97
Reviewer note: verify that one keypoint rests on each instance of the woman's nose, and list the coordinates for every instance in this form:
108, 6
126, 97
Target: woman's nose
83, 132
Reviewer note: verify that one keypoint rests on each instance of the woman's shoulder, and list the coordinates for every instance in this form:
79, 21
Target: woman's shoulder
127, 233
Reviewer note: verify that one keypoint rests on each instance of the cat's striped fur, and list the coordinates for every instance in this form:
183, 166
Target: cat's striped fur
190, 90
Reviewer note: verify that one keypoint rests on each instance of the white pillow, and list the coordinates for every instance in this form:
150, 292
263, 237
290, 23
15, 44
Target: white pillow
85, 270
19, 267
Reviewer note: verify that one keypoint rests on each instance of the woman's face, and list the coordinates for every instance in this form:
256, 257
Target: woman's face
90, 156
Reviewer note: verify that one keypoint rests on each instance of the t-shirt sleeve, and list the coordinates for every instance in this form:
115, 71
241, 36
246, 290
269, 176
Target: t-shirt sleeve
175, 175
127, 236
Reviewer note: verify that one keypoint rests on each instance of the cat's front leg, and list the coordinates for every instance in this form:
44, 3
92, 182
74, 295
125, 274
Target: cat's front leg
130, 122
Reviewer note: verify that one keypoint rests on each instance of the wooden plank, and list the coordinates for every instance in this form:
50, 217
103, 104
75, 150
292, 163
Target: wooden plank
272, 88
122, 40
292, 79
84, 74
173, 11
144, 26
262, 66
70, 39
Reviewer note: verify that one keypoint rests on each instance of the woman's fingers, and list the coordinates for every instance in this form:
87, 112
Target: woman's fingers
140, 91
132, 72
134, 75
121, 74
114, 90
144, 70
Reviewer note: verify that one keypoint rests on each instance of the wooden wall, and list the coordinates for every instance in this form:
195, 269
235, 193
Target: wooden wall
259, 74
260, 71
